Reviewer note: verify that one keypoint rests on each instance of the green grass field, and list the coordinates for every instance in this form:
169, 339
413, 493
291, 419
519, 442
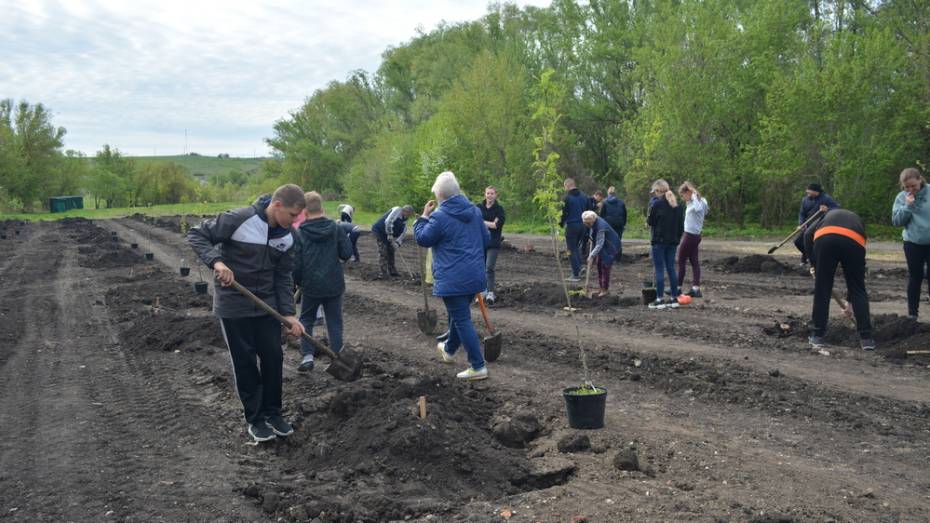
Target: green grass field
206, 165
635, 229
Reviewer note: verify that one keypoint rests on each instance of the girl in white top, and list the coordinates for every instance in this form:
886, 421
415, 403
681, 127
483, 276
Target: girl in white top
688, 248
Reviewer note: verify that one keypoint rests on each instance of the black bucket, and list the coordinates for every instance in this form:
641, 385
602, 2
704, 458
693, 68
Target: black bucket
149, 256
134, 245
185, 271
585, 411
649, 296
200, 287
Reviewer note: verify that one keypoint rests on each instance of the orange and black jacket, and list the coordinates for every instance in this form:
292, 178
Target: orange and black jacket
836, 221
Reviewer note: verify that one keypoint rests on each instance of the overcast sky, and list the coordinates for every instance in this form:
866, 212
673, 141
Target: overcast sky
136, 73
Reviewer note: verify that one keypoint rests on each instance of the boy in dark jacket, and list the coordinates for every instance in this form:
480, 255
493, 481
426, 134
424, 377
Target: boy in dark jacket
322, 246
254, 246
389, 231
838, 238
613, 210
574, 203
494, 218
667, 220
814, 200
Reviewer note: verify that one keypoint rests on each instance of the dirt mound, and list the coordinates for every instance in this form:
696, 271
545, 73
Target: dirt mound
553, 296
142, 291
366, 272
755, 263
168, 331
111, 259
366, 438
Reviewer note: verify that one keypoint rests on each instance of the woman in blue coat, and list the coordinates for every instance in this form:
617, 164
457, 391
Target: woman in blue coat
458, 236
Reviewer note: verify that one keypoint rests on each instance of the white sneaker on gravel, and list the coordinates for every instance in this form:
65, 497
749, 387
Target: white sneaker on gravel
446, 357
672, 303
471, 374
658, 304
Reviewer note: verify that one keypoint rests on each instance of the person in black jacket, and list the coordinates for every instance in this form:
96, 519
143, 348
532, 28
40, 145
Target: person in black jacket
574, 203
322, 246
613, 210
346, 212
494, 218
254, 246
814, 200
667, 220
838, 238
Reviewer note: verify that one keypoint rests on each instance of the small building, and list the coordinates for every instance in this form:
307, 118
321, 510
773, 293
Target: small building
65, 203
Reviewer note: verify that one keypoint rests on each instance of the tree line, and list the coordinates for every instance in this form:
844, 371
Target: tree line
749, 99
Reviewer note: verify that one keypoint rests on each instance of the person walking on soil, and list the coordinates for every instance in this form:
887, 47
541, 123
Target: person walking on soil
613, 211
458, 237
911, 210
814, 200
254, 246
606, 246
322, 246
493, 215
666, 220
688, 248
838, 238
574, 203
389, 231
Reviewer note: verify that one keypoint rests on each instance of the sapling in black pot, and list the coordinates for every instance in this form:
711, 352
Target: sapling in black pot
185, 270
585, 403
200, 286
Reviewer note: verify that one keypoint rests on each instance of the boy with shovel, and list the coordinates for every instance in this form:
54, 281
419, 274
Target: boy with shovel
254, 247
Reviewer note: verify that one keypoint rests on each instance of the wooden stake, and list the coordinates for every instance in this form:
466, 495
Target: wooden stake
917, 352
422, 404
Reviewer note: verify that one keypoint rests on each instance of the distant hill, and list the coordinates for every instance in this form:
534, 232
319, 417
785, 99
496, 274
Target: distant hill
207, 165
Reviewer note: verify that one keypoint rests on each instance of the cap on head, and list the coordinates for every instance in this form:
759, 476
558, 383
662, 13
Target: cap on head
815, 187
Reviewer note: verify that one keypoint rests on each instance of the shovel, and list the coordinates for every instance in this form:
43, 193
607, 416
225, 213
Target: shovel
344, 366
492, 342
404, 261
796, 231
426, 319
843, 304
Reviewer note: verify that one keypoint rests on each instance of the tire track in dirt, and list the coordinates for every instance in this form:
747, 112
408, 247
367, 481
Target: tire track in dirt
96, 437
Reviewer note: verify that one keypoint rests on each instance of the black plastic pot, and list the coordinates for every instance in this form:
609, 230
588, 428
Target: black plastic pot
649, 296
149, 256
185, 271
200, 287
585, 411
134, 245
2, 236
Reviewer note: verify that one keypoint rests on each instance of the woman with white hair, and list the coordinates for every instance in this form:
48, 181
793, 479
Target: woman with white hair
457, 234
606, 247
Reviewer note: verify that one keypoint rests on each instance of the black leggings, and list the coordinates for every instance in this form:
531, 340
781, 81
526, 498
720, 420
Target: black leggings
917, 257
829, 251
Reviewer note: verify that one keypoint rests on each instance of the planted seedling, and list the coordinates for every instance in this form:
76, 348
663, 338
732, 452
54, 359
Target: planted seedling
548, 196
184, 269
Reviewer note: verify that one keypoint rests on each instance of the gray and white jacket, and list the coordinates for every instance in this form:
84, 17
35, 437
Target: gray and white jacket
261, 258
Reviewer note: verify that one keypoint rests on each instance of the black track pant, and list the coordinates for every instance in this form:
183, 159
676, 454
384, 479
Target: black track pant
254, 341
917, 257
829, 251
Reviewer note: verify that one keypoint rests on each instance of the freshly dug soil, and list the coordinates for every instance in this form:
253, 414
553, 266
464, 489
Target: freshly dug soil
755, 263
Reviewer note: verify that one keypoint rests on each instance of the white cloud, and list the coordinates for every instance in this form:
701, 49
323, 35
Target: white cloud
137, 74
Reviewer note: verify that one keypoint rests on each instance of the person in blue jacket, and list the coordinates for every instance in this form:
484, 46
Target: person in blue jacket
912, 211
574, 203
814, 200
606, 246
458, 236
613, 210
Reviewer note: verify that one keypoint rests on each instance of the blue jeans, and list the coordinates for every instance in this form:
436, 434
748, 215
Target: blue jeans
574, 232
353, 238
332, 309
462, 330
663, 258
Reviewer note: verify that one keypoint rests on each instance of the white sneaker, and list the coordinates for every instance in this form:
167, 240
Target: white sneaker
491, 297
446, 357
471, 374
658, 304
672, 303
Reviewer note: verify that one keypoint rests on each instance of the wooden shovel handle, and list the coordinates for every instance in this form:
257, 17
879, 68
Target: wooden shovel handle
484, 313
796, 230
270, 310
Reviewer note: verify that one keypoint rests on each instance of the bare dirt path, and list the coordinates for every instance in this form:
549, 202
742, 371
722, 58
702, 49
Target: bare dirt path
91, 429
729, 423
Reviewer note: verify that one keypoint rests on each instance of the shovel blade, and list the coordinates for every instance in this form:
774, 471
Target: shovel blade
492, 347
347, 366
427, 321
